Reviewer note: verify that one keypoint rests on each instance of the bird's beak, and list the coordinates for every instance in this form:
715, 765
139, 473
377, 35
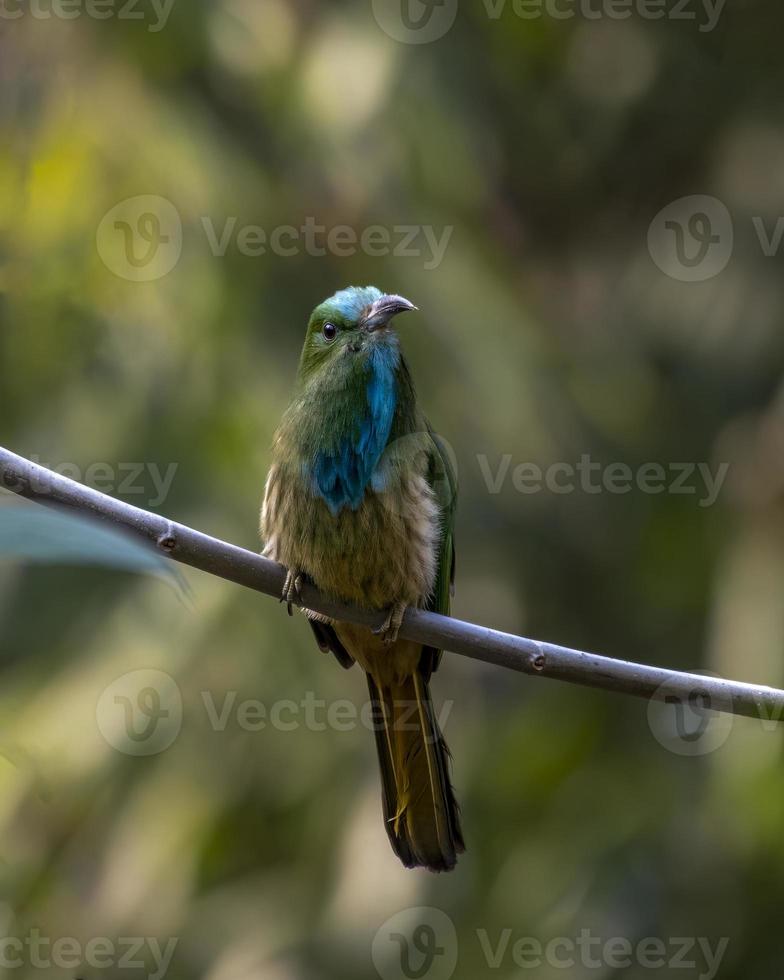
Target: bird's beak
381, 312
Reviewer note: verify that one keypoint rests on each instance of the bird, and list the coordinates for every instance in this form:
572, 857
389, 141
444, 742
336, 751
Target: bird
360, 501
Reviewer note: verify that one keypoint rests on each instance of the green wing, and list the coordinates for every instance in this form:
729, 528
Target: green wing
443, 481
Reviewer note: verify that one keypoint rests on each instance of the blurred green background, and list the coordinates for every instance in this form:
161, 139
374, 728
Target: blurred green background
547, 331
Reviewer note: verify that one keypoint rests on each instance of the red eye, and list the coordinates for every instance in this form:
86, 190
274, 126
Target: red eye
330, 331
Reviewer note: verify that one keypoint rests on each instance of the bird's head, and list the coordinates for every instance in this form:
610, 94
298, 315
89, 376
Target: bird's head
349, 325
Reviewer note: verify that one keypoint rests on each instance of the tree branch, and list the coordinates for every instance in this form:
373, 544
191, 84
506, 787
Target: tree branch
227, 561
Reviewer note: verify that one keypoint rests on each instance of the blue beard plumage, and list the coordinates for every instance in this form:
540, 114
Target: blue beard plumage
340, 474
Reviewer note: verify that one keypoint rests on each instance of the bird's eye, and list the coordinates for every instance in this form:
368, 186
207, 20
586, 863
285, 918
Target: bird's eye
330, 331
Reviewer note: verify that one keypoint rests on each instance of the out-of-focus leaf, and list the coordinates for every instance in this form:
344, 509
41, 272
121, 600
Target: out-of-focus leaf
31, 533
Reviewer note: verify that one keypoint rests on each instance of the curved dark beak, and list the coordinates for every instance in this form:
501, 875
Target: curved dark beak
381, 312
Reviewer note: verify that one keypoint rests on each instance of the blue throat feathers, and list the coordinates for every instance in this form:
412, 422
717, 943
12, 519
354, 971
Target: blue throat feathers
341, 477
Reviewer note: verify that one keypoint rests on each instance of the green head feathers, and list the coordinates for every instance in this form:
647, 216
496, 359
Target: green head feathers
353, 321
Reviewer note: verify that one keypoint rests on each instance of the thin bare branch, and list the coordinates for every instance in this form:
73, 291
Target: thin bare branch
534, 657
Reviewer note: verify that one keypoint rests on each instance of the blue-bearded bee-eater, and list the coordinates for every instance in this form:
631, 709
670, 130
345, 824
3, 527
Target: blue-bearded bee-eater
360, 500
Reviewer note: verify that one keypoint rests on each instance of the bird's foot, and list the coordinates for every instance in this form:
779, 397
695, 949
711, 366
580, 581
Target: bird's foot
390, 627
292, 589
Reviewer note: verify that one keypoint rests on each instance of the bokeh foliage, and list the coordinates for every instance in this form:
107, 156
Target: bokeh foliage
546, 332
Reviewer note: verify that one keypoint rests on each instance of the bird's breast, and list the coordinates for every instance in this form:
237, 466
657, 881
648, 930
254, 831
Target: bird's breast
380, 552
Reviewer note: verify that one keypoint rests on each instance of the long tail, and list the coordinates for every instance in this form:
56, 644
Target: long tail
420, 810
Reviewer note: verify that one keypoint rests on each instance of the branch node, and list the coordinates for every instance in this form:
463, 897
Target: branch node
167, 542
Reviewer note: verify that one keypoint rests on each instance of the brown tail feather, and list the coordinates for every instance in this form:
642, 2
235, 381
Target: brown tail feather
420, 811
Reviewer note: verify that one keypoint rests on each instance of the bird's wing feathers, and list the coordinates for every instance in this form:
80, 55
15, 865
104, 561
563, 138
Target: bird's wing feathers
443, 481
